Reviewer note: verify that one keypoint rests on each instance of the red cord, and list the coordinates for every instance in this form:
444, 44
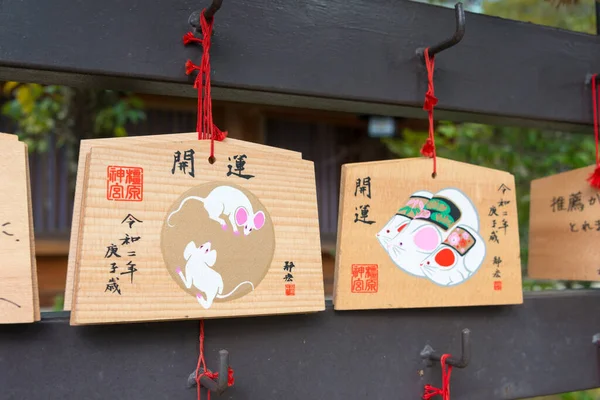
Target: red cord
205, 126
431, 391
594, 178
428, 149
202, 365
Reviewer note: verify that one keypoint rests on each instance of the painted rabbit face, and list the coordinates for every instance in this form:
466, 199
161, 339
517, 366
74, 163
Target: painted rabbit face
457, 259
414, 244
429, 228
403, 216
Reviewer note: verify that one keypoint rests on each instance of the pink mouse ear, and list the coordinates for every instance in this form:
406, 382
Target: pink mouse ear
241, 216
259, 220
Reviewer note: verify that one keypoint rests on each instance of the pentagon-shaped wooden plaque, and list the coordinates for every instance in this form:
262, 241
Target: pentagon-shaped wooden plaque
166, 235
129, 142
407, 240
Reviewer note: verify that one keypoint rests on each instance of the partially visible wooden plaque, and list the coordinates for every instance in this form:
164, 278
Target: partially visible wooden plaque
18, 279
564, 227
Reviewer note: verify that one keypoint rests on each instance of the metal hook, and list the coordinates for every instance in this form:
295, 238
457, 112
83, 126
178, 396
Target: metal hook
430, 354
218, 386
194, 19
457, 37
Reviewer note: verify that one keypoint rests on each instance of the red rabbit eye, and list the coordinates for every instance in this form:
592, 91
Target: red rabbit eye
445, 258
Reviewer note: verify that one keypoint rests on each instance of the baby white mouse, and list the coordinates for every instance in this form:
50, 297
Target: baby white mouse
231, 202
198, 272
457, 259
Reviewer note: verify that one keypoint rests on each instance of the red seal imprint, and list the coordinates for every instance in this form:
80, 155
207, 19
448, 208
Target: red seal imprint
497, 285
290, 289
365, 278
124, 183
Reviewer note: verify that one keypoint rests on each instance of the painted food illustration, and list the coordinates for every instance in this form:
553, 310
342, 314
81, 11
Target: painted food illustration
436, 239
203, 249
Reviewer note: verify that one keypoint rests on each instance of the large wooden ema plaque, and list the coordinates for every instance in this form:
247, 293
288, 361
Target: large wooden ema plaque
407, 240
127, 142
166, 235
19, 297
564, 227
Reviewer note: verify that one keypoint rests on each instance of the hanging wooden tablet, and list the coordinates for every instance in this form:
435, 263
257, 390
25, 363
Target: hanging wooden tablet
167, 235
406, 239
125, 143
565, 215
19, 300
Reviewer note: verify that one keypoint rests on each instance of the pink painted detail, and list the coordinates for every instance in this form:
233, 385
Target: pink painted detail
178, 270
224, 226
427, 238
423, 214
241, 216
259, 220
236, 233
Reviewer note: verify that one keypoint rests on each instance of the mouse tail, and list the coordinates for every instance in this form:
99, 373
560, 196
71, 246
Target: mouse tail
200, 199
222, 296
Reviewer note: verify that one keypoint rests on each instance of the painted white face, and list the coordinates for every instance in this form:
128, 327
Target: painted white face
430, 228
457, 259
404, 215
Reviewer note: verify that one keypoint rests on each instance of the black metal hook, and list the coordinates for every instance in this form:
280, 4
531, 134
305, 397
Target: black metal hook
588, 79
432, 355
459, 33
218, 386
194, 19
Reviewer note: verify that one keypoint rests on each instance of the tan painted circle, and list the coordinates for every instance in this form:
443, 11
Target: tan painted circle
239, 258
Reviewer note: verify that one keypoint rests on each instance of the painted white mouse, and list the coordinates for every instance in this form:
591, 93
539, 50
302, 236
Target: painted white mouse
403, 216
231, 202
198, 272
430, 228
457, 259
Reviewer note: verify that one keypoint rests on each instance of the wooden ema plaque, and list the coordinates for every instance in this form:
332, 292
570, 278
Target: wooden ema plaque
564, 214
125, 142
19, 297
165, 235
407, 240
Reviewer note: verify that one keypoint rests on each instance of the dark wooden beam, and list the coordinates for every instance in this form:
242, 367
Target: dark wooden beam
357, 56
541, 347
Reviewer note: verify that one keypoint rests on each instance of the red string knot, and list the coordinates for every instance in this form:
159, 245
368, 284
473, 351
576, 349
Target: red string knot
190, 38
594, 178
428, 149
430, 101
190, 67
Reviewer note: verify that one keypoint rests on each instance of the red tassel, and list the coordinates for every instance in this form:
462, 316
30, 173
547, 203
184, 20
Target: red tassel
190, 38
428, 150
190, 67
218, 134
594, 178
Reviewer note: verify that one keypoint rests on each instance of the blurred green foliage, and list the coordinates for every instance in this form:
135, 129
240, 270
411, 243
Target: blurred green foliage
38, 110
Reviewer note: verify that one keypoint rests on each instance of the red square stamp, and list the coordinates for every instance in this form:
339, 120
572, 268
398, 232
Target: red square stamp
365, 278
290, 289
124, 183
497, 285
